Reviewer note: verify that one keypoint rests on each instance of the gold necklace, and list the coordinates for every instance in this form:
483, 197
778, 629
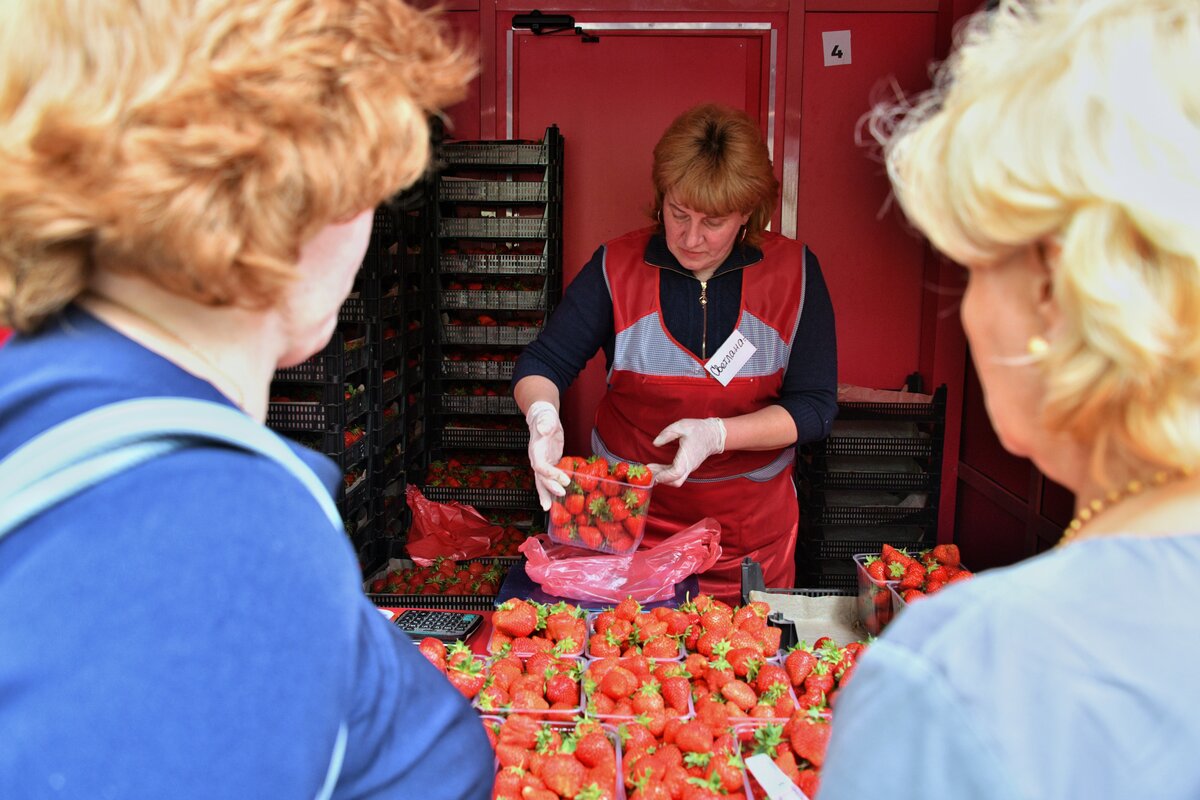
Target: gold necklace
163, 331
1114, 497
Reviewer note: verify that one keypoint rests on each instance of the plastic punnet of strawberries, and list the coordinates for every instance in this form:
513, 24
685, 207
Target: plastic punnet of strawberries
525, 627
549, 760
923, 574
604, 507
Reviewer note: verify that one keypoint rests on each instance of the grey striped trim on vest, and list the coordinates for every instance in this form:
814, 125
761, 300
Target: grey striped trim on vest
761, 475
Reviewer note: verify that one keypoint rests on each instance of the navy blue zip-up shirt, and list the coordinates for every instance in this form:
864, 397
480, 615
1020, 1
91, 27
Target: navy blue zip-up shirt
583, 324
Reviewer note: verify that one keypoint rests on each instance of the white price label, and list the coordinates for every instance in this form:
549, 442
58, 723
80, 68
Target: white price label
771, 778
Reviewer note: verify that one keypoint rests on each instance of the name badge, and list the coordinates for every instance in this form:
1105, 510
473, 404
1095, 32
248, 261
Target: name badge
730, 357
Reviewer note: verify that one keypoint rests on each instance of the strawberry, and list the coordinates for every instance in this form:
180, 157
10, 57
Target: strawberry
594, 748
694, 736
876, 569
663, 647
618, 510
589, 536
676, 692
621, 542
618, 682
562, 688
613, 533
628, 609
515, 618
563, 775
947, 555
434, 650
560, 517
770, 674
821, 678
914, 576
809, 737
574, 502
638, 475
619, 471
740, 694
798, 665
467, 677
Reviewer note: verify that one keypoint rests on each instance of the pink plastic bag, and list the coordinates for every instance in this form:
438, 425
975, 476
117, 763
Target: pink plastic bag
450, 530
646, 575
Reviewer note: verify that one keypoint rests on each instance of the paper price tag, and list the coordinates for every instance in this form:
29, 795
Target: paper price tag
771, 778
730, 357
837, 48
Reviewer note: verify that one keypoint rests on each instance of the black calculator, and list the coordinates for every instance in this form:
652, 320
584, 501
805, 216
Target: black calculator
449, 626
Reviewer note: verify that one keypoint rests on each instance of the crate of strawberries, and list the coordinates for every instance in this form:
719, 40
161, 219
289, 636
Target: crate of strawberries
604, 507
892, 578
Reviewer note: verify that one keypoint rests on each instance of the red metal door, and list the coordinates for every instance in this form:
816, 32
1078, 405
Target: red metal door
612, 99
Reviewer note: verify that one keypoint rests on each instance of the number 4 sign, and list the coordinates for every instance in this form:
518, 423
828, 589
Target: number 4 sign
837, 47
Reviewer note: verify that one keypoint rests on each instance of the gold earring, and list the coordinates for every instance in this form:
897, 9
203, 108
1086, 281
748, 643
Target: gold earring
742, 237
1037, 346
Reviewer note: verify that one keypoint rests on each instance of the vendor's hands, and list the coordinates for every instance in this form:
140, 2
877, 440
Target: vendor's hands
698, 439
545, 451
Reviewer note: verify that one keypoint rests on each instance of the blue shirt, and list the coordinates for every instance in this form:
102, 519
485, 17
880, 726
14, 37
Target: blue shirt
195, 628
1071, 675
583, 325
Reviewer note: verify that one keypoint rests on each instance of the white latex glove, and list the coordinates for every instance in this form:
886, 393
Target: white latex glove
545, 451
698, 439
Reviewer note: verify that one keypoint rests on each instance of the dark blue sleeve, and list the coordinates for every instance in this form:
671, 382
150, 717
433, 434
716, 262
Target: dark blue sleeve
581, 325
810, 384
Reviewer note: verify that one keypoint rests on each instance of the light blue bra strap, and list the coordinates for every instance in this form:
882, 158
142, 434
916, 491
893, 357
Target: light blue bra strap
86, 449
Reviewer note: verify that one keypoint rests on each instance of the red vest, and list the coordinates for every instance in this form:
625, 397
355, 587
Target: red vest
655, 381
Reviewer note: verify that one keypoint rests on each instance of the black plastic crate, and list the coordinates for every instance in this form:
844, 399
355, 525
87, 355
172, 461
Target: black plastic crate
841, 584
340, 358
834, 549
468, 438
357, 496
530, 300
495, 153
493, 227
820, 479
867, 515
487, 498
912, 446
492, 335
476, 369
333, 412
468, 404
333, 444
933, 411
464, 190
449, 602
494, 263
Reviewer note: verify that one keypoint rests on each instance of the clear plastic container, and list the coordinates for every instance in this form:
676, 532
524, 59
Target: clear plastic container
600, 513
875, 608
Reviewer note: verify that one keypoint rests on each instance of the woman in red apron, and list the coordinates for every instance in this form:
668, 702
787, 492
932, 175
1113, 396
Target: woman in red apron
720, 345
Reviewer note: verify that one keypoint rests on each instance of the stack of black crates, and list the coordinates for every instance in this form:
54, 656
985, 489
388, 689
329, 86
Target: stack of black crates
497, 273
352, 400
876, 479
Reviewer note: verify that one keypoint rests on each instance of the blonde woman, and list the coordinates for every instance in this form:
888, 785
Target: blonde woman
1059, 161
186, 192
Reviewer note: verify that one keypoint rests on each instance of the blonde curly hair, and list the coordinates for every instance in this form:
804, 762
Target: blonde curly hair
1078, 121
200, 143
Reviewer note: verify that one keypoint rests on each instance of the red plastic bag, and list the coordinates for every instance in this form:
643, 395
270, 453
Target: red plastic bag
646, 575
450, 530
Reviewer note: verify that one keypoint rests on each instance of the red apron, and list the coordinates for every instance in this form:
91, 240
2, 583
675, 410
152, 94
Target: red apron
655, 381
